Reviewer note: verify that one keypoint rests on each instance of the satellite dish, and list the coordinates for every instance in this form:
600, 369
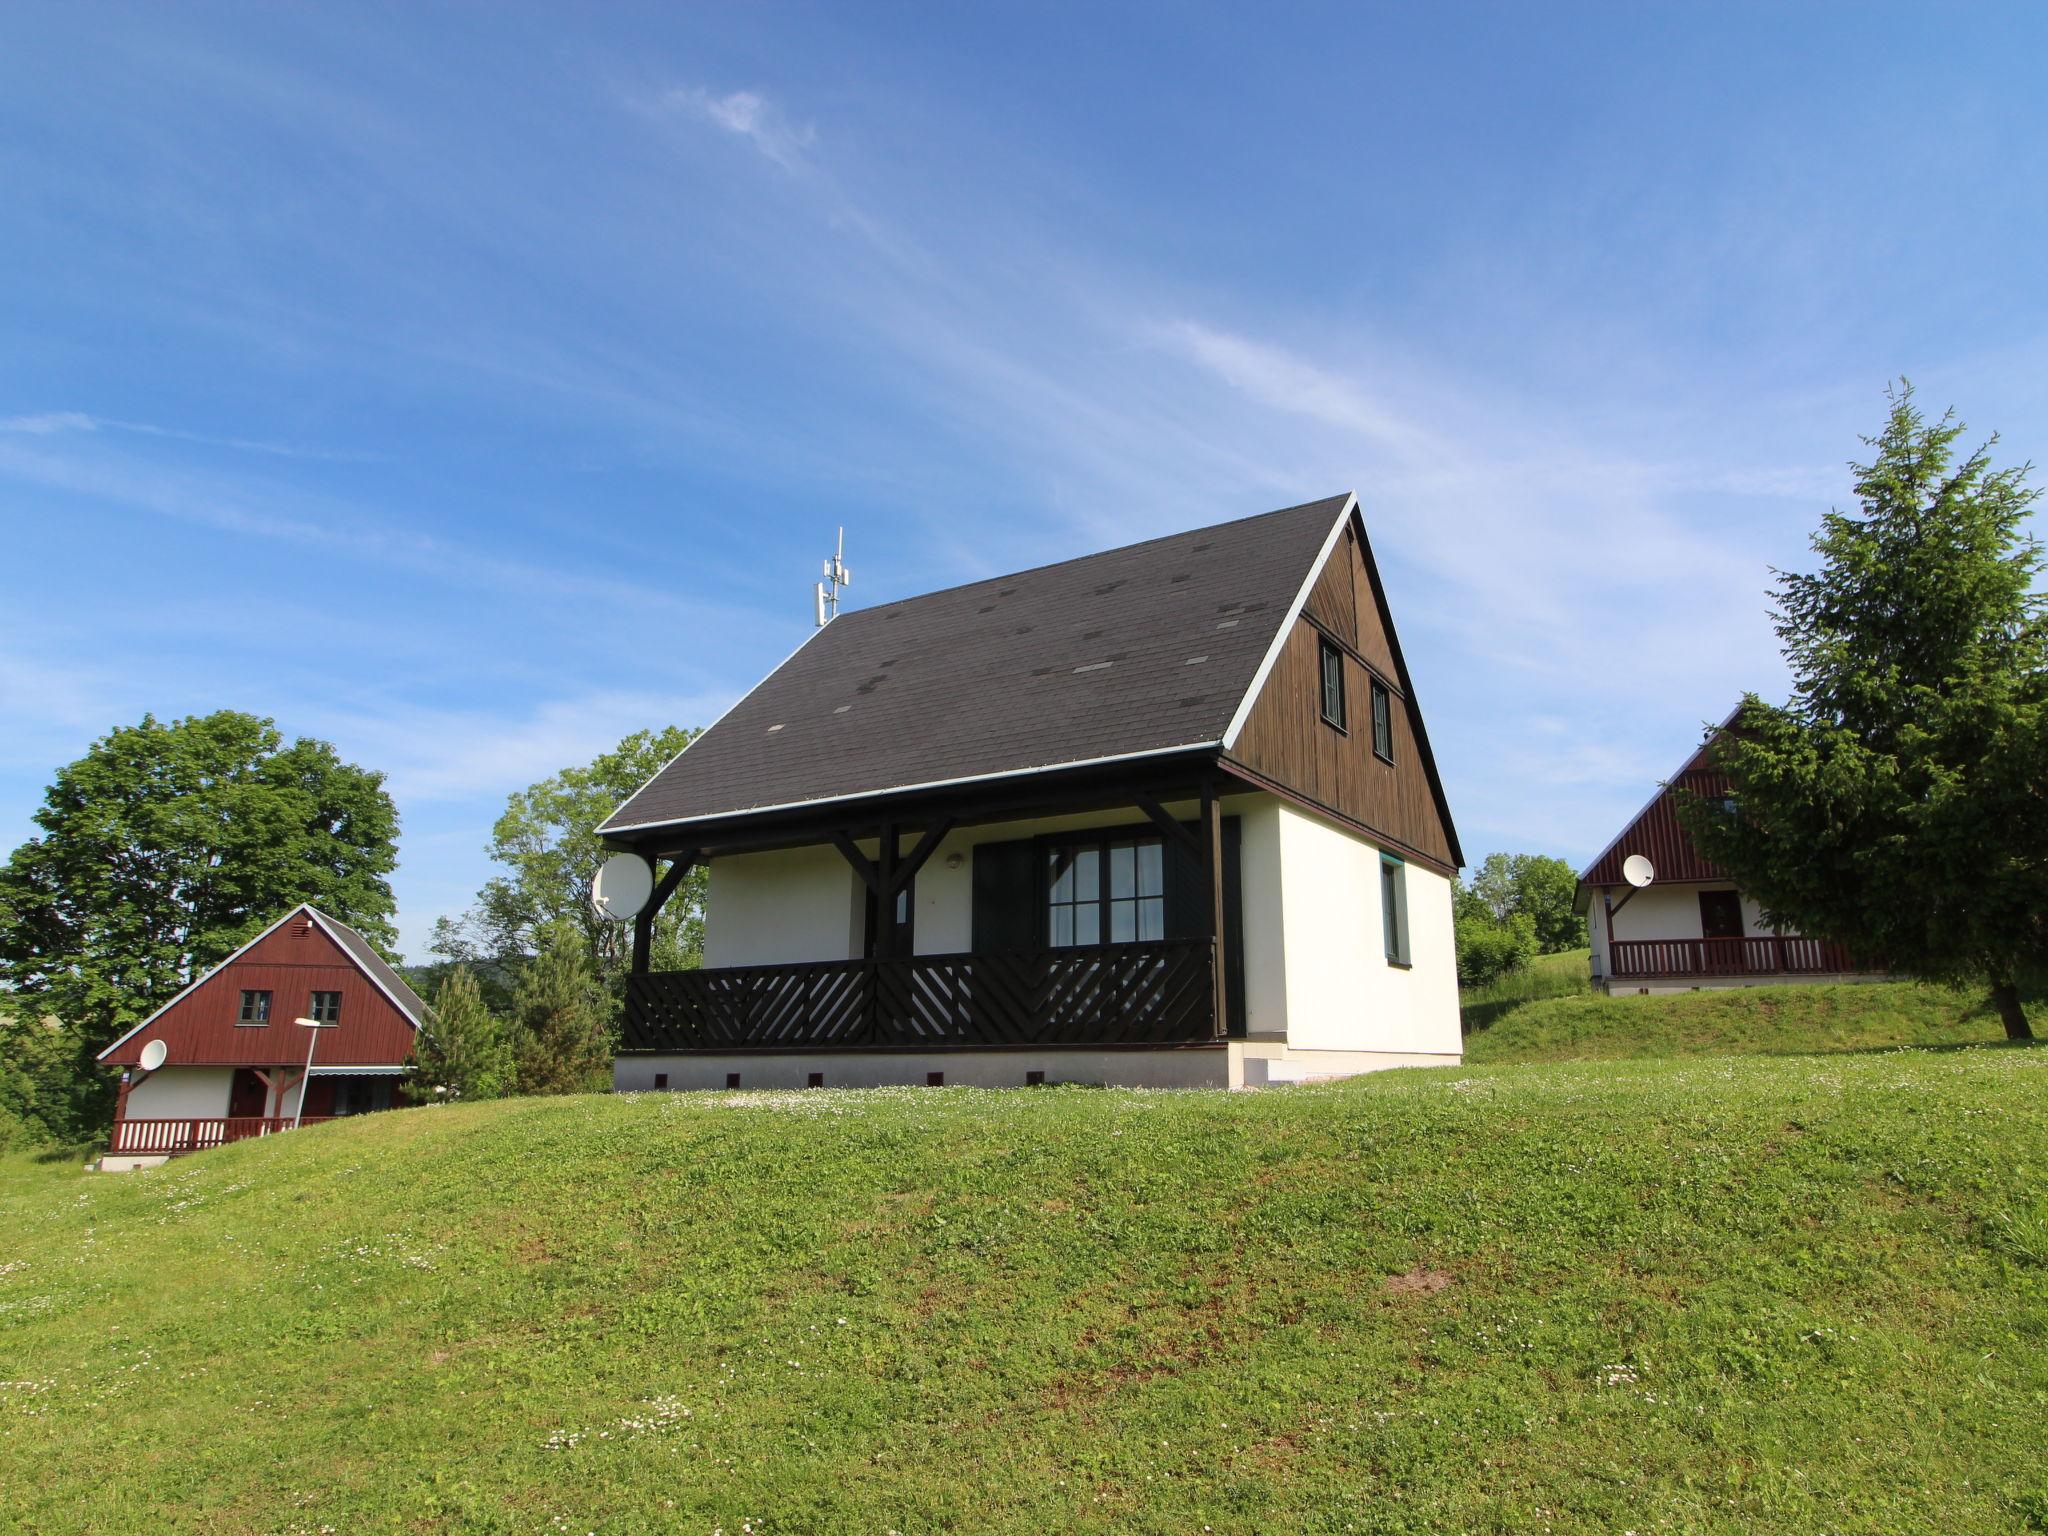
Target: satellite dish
1638, 871
623, 884
154, 1055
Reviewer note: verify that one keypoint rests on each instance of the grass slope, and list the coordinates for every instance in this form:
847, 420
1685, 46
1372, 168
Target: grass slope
1729, 1296
1561, 975
1787, 1019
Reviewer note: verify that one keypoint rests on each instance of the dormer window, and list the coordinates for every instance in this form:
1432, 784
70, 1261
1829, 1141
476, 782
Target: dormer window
1332, 685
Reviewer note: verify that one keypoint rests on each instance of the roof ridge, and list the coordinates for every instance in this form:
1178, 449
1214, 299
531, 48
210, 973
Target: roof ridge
1340, 499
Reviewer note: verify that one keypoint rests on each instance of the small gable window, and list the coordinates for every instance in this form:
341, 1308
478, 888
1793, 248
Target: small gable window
255, 1008
1332, 685
1382, 722
325, 1008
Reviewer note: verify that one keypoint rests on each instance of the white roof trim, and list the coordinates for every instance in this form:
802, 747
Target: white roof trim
360, 1071
204, 977
200, 980
1280, 635
605, 831
329, 924
904, 789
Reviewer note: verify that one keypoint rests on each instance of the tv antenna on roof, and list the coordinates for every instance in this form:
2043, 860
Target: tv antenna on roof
836, 577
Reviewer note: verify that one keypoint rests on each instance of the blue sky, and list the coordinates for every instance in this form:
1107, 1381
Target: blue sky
469, 386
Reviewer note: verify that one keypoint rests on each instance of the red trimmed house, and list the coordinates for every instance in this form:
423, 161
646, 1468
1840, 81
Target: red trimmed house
235, 1059
1690, 927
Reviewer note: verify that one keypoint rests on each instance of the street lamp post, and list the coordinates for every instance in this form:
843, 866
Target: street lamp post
313, 1027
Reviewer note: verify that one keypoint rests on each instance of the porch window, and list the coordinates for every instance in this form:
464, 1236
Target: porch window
1394, 907
1382, 722
361, 1095
1332, 679
255, 1008
1111, 892
325, 1008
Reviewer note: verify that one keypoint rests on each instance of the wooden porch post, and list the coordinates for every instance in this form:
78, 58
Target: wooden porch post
1212, 858
643, 922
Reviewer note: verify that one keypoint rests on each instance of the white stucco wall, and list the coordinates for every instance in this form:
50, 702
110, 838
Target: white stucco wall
177, 1093
773, 908
1341, 993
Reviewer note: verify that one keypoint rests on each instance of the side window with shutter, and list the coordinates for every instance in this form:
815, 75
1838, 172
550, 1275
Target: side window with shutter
1005, 897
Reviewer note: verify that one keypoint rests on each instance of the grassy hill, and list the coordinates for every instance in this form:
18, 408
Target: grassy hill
1552, 1021
1737, 1295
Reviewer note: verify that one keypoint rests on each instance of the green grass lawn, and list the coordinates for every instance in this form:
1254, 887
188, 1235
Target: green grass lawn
1750, 1294
1562, 975
1587, 1026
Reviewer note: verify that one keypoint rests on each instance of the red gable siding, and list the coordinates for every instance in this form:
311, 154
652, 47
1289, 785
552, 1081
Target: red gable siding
291, 963
1658, 836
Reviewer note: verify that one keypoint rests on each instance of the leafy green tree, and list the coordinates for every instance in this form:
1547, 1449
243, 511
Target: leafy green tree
562, 1034
466, 1050
1538, 887
1489, 946
1897, 804
547, 842
166, 847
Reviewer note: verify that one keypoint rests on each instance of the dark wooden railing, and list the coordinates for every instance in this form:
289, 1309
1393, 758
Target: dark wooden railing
1766, 956
151, 1137
1113, 994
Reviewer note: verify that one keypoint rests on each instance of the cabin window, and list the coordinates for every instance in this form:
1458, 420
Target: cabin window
255, 1008
1394, 907
1332, 685
361, 1095
325, 1008
1109, 892
1382, 722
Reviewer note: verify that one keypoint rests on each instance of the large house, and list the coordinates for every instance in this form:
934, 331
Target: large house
1161, 816
234, 1057
1681, 924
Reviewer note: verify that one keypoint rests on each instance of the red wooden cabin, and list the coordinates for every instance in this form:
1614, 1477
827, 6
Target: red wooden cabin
235, 1057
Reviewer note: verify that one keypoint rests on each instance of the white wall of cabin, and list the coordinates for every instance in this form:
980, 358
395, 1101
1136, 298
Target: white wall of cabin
181, 1093
789, 905
1341, 992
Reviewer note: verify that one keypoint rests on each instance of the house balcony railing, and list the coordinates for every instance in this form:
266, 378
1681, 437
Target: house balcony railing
1160, 993
171, 1137
1770, 955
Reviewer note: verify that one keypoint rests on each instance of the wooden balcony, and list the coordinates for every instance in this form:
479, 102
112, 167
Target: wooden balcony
1109, 995
1663, 959
152, 1138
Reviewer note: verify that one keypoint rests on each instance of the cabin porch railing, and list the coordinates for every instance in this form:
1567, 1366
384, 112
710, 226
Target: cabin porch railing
1769, 955
152, 1137
1115, 994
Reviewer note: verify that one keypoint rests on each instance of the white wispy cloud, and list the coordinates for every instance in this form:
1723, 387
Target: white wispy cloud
52, 423
747, 115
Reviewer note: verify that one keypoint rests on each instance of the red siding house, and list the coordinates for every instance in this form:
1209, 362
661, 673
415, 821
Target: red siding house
234, 1057
1690, 926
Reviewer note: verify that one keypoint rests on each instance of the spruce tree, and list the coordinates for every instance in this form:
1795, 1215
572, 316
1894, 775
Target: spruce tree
1899, 803
562, 1038
466, 1052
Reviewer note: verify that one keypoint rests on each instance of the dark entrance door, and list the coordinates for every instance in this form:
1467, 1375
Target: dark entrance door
247, 1097
1720, 914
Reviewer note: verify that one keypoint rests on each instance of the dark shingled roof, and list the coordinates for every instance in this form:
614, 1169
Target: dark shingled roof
1136, 650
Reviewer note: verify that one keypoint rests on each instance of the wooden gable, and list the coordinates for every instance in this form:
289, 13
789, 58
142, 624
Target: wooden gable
1660, 836
293, 960
1286, 743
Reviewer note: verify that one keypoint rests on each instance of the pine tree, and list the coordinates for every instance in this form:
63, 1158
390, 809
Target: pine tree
1899, 803
466, 1052
562, 1037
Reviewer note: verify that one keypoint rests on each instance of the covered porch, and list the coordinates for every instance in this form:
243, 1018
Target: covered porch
1074, 912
